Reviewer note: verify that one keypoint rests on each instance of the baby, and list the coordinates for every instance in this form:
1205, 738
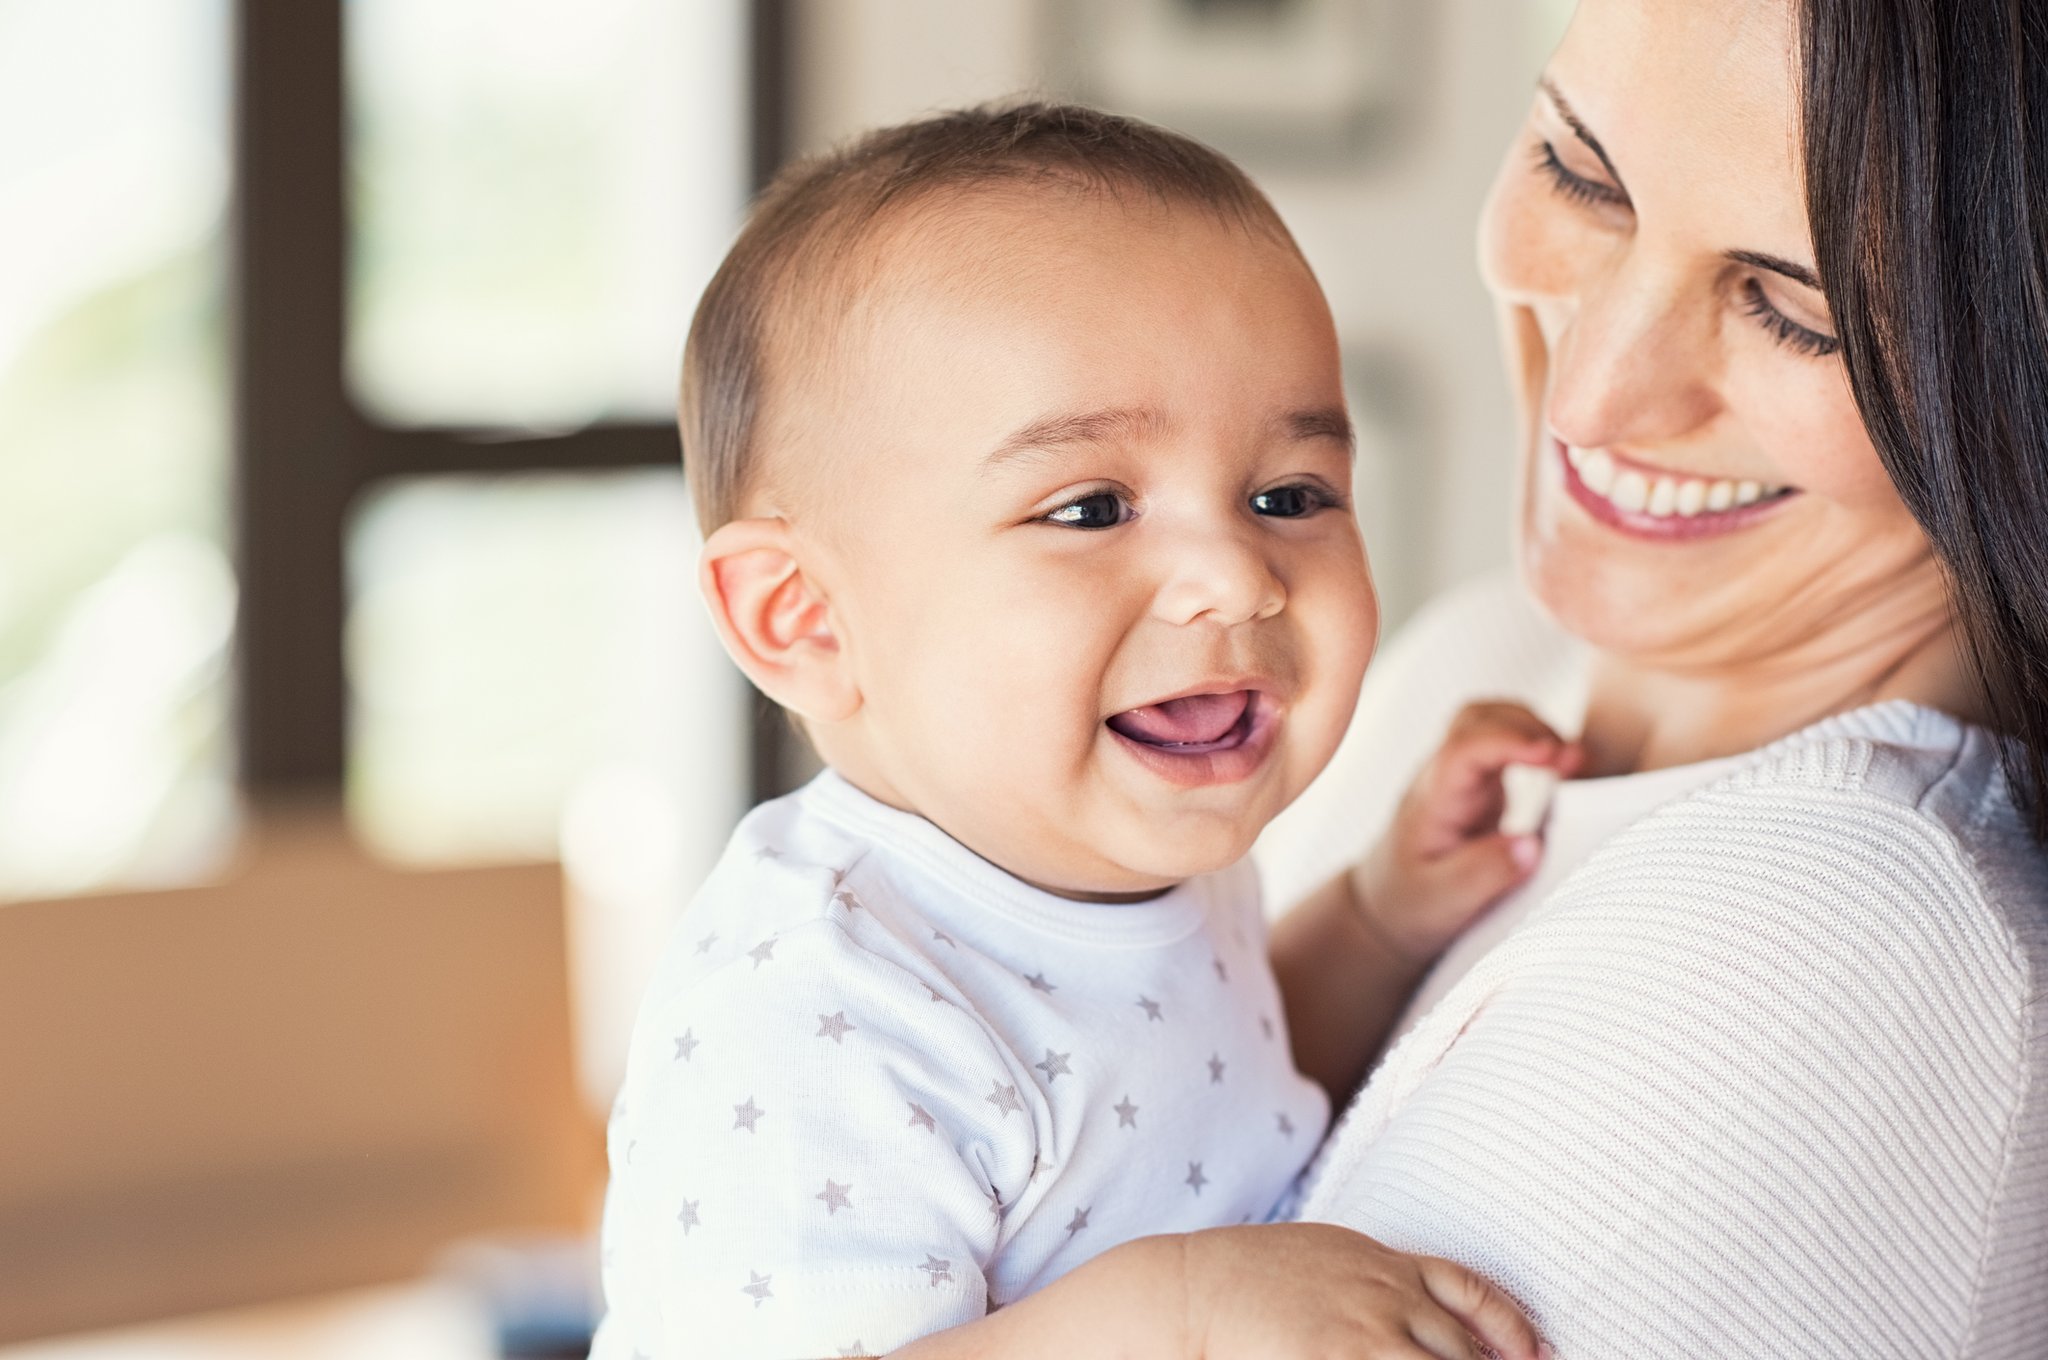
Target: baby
1019, 441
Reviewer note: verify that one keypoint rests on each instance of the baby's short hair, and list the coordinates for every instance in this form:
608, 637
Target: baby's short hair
808, 223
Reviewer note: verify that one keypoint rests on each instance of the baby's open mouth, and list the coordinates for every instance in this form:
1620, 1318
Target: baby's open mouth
1194, 725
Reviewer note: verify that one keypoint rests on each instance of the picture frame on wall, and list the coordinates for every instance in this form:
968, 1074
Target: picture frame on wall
1278, 83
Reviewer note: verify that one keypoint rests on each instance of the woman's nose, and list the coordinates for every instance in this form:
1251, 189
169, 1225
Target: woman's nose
1220, 575
1634, 358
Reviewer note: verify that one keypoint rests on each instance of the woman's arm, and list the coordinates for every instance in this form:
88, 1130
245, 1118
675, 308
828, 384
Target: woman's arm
1292, 1291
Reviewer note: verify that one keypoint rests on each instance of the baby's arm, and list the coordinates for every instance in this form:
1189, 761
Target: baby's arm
1351, 953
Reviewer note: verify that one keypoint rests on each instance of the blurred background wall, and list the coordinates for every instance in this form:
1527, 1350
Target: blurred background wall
360, 733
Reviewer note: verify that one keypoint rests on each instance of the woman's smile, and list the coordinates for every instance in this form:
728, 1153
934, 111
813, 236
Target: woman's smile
1645, 502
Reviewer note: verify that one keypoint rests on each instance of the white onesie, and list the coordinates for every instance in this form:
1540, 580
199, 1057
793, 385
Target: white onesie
879, 1087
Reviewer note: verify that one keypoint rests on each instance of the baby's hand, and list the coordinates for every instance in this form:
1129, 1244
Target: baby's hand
1309, 1289
1445, 858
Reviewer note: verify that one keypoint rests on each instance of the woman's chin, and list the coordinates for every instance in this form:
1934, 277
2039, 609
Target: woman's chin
1614, 606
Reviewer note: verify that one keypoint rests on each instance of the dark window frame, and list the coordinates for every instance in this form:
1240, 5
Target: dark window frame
303, 453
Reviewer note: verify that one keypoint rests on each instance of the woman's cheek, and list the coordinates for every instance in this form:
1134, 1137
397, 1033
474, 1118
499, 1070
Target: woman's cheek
1808, 426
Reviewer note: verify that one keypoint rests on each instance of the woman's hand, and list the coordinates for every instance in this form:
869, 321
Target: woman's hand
1281, 1291
1445, 859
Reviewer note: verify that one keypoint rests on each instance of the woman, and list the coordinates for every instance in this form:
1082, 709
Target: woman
1758, 1064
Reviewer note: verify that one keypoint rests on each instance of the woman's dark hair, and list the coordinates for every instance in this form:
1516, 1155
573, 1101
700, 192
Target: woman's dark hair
1925, 130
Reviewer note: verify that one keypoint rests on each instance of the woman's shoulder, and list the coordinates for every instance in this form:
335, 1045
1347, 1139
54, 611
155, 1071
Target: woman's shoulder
1872, 869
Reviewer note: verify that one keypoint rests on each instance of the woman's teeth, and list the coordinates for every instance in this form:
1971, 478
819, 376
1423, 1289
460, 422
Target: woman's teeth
1667, 496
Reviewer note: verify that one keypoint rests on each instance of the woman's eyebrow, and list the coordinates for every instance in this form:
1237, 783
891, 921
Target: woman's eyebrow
1579, 130
1798, 273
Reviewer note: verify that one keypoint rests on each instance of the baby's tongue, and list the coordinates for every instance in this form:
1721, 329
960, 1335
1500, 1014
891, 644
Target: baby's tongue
1192, 721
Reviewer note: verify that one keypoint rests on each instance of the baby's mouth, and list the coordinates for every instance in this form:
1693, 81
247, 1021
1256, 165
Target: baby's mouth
1196, 724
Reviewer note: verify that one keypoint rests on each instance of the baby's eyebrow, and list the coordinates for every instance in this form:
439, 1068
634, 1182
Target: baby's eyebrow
1329, 422
1049, 434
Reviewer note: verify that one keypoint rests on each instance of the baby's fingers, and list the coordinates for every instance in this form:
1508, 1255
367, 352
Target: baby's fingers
1485, 738
1484, 1311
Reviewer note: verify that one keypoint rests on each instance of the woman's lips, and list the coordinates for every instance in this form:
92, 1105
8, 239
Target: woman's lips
1664, 506
1200, 739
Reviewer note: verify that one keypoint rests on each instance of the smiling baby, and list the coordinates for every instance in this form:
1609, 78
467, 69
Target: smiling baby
1019, 439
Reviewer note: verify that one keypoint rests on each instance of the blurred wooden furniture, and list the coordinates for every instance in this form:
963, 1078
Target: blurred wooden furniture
313, 1075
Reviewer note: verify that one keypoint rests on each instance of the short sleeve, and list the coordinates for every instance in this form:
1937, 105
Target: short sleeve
1746, 1092
811, 1159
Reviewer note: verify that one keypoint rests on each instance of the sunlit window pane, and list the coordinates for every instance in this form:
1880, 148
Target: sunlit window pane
521, 646
540, 191
116, 598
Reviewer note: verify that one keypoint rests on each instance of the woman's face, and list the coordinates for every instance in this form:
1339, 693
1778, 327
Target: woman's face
1698, 491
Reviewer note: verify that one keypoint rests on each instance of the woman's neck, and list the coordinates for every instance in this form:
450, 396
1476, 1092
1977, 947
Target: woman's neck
1646, 716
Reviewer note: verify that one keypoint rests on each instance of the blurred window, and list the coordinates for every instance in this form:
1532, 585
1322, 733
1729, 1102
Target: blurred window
116, 596
540, 192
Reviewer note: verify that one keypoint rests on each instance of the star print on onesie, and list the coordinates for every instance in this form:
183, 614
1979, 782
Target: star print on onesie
879, 1087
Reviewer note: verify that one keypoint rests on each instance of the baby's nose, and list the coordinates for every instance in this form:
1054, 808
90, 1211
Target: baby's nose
1219, 577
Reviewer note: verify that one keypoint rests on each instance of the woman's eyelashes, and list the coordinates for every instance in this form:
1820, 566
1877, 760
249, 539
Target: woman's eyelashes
1577, 188
1798, 338
1573, 185
1108, 509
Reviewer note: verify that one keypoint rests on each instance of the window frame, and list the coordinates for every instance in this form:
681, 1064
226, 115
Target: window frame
302, 452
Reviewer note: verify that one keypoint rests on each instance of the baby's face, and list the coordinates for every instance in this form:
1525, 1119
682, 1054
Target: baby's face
1084, 522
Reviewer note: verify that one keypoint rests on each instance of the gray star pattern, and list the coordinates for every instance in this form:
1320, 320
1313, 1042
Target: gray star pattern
745, 1116
686, 1044
1078, 1222
1266, 1026
941, 1272
1039, 984
1004, 1098
1196, 1179
762, 952
704, 945
766, 853
1222, 973
1151, 1008
1126, 1113
920, 1115
845, 898
834, 1197
934, 991
995, 1204
1054, 1066
1286, 1125
757, 1288
1216, 1065
943, 938
688, 1217
835, 1028
855, 1349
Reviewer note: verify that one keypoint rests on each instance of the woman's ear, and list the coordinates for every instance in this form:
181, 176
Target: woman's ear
774, 619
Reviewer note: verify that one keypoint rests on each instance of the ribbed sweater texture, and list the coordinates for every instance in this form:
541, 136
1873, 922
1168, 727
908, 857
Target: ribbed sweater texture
1767, 1075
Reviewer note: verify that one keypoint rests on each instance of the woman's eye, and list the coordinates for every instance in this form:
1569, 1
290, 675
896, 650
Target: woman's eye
1290, 502
1573, 185
1789, 333
1102, 510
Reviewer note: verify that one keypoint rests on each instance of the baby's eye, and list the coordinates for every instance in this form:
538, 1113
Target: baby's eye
1099, 510
1289, 502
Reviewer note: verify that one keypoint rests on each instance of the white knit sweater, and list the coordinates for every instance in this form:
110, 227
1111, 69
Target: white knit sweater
1767, 1074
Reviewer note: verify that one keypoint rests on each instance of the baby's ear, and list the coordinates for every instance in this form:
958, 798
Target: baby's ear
774, 619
